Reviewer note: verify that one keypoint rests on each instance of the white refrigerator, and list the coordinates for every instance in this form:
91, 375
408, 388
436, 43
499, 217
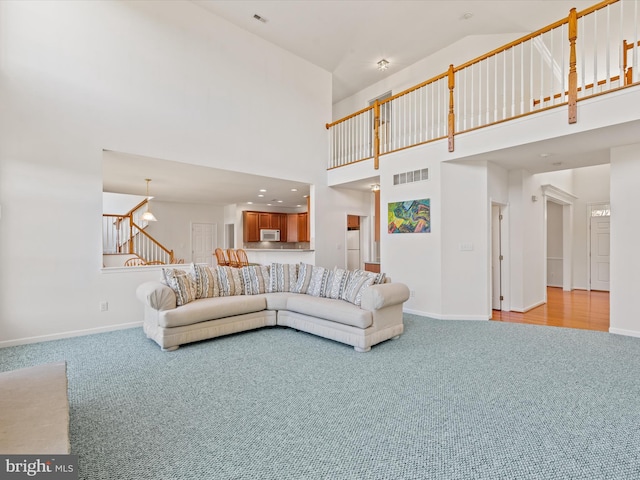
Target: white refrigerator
353, 249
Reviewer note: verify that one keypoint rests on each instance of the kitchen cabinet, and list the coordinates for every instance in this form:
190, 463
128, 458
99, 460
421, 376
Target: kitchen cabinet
303, 227
372, 267
253, 222
297, 227
353, 222
250, 227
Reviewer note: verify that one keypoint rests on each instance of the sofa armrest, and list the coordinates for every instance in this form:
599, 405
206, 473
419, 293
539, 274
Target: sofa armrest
156, 295
380, 296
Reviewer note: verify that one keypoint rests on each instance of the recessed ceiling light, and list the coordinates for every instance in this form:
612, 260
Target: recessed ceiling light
268, 204
294, 189
298, 205
383, 64
263, 190
260, 195
279, 201
467, 15
545, 155
250, 203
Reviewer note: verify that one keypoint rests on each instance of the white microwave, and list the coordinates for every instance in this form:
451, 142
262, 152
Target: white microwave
267, 235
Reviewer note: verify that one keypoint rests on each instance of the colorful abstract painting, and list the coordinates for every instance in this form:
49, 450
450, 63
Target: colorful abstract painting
412, 216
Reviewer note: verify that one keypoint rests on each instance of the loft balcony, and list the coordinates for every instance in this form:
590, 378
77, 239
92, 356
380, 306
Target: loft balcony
559, 71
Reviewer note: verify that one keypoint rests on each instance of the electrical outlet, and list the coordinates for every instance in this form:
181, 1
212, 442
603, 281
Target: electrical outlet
104, 306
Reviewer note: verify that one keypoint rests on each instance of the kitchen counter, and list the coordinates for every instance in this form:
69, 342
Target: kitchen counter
266, 256
278, 250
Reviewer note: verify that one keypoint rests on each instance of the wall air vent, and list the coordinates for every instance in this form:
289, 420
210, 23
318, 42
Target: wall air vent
410, 177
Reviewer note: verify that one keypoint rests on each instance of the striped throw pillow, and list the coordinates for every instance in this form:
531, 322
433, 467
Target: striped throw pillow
206, 278
282, 277
181, 283
255, 279
230, 281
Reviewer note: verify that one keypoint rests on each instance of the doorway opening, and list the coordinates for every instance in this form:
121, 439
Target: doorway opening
203, 242
599, 238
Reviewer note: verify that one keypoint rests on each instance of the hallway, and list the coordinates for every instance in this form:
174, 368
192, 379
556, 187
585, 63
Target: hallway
587, 310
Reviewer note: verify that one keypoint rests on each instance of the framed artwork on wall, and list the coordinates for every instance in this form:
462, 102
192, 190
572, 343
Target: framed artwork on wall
410, 216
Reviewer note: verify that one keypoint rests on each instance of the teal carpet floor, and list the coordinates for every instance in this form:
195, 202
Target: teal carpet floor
447, 400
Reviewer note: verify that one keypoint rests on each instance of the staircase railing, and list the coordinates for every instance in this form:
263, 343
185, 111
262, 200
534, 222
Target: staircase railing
125, 234
587, 53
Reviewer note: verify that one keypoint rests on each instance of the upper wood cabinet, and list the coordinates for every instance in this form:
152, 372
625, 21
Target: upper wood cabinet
303, 227
253, 222
297, 227
353, 222
250, 227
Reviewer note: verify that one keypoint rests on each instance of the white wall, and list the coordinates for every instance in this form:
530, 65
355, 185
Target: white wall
554, 244
625, 231
465, 241
173, 228
591, 185
162, 79
119, 203
413, 258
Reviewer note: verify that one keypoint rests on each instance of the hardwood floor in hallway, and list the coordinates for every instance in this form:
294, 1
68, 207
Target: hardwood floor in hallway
576, 309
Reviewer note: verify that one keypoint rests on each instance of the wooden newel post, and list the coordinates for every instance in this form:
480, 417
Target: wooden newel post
573, 73
451, 120
376, 135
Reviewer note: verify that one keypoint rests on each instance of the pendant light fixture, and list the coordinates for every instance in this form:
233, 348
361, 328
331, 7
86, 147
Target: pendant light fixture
147, 215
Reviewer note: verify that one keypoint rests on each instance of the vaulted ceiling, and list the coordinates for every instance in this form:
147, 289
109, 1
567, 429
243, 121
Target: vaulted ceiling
348, 37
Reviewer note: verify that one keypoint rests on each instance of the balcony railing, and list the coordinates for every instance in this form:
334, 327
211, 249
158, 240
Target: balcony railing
587, 53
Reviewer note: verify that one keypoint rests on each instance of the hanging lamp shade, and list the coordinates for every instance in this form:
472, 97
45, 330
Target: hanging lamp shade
147, 215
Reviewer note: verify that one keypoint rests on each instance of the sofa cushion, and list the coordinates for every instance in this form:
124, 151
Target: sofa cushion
304, 278
230, 281
278, 300
336, 282
283, 277
318, 282
211, 309
357, 282
255, 279
206, 279
182, 285
329, 309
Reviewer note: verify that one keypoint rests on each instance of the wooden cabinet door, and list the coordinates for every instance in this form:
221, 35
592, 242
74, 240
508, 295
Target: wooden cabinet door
250, 227
303, 227
353, 221
280, 219
264, 220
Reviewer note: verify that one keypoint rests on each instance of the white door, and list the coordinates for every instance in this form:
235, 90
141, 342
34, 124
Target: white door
496, 253
600, 253
203, 242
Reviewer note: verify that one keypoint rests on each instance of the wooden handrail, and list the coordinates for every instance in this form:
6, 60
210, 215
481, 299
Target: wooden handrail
156, 242
344, 119
572, 26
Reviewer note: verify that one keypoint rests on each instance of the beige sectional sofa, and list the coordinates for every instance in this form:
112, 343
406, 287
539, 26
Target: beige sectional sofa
359, 318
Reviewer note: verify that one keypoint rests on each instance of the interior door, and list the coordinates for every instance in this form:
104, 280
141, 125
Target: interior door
600, 228
203, 242
496, 258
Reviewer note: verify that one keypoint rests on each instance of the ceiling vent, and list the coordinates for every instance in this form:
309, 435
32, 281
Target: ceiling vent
410, 177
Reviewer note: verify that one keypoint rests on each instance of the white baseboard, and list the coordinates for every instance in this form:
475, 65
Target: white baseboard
70, 334
622, 331
526, 309
438, 316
